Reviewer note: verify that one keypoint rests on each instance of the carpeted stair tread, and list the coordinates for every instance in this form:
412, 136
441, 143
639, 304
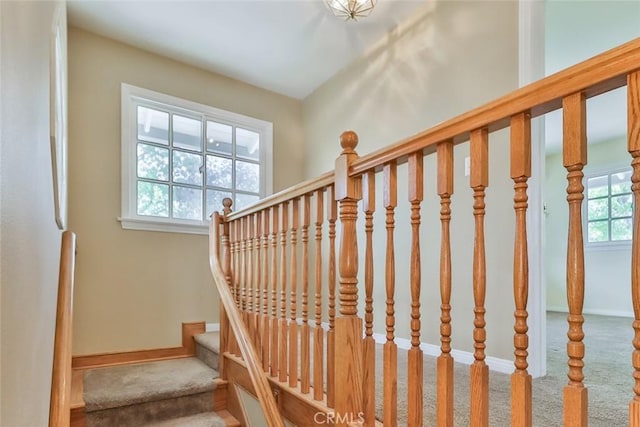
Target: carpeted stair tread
118, 386
209, 340
207, 419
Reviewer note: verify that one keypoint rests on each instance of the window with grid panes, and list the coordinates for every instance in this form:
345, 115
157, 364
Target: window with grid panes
609, 208
181, 159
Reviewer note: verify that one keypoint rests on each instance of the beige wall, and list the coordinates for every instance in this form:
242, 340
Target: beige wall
453, 56
607, 272
30, 238
134, 287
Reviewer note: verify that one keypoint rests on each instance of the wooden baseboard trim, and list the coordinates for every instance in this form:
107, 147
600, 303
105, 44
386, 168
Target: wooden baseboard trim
188, 349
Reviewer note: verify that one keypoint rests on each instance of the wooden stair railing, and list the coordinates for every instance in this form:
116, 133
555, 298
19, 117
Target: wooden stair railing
240, 330
349, 350
60, 402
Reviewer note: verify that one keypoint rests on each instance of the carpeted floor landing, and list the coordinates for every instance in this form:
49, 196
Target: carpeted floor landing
607, 376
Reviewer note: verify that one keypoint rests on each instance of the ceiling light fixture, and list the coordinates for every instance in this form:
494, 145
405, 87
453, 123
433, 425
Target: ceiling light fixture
351, 9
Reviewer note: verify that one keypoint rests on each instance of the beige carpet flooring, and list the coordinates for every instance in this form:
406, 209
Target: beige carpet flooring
607, 375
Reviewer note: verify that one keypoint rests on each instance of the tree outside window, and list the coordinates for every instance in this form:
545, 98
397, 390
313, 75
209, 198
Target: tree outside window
184, 158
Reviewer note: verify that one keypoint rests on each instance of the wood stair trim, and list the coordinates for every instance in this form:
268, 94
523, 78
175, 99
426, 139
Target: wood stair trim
296, 407
101, 360
229, 419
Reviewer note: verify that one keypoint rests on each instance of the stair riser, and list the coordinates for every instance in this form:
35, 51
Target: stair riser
148, 412
209, 357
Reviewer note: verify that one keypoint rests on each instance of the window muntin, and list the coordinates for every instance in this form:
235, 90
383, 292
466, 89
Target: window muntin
609, 208
180, 159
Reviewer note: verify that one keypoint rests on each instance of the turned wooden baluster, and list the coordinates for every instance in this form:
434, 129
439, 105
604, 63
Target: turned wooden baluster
390, 350
369, 344
304, 341
633, 129
332, 215
318, 342
414, 389
293, 323
258, 278
348, 327
574, 158
243, 267
250, 284
235, 259
225, 331
283, 293
445, 361
274, 291
265, 291
235, 275
479, 369
521, 404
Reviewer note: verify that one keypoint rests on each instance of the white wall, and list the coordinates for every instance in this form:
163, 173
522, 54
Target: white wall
30, 239
607, 272
451, 57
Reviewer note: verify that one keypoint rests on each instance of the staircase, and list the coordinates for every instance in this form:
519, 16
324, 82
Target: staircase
184, 392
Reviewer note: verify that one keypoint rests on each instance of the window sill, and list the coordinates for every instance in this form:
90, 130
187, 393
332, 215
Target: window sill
608, 246
157, 224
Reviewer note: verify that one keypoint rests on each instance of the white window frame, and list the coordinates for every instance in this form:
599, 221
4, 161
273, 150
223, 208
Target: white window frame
131, 96
610, 245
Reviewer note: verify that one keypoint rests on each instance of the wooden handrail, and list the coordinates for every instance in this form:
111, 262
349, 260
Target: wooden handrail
287, 194
60, 403
249, 353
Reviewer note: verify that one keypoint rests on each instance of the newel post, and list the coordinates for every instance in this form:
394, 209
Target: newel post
348, 326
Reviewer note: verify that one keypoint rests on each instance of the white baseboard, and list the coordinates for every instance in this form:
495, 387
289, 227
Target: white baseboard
212, 327
614, 313
495, 364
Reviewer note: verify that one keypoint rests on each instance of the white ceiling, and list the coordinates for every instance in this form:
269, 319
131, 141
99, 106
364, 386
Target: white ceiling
290, 47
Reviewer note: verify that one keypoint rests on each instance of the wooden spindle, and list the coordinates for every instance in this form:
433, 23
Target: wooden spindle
348, 338
369, 344
445, 361
633, 142
235, 275
479, 369
258, 278
235, 261
414, 389
283, 327
226, 268
250, 284
521, 397
293, 323
266, 342
318, 334
574, 158
390, 350
304, 331
274, 291
332, 216
243, 267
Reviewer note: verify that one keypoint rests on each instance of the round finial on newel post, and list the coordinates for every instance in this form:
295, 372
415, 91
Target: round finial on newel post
348, 142
227, 202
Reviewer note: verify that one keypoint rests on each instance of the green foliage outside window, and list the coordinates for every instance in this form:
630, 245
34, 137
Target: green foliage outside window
177, 178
